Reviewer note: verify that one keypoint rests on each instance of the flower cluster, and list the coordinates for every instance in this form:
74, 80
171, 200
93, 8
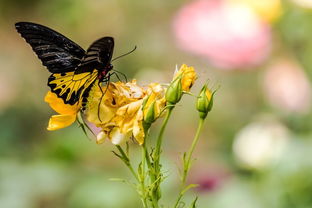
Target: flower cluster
118, 111
122, 110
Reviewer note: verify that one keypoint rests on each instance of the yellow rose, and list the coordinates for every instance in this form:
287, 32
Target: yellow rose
183, 80
188, 76
120, 111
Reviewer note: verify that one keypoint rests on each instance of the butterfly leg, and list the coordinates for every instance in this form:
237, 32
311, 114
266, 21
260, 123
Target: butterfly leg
124, 76
107, 80
100, 86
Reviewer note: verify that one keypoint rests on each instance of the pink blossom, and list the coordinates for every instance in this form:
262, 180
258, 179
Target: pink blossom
209, 178
287, 87
230, 36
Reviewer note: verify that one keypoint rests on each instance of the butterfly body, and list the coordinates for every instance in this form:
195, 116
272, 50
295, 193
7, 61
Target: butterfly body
74, 70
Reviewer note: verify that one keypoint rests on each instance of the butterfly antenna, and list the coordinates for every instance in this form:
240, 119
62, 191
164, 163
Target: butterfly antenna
135, 47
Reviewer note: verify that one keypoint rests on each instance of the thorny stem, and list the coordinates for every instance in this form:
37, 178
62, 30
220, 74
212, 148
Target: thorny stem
187, 161
156, 156
146, 157
146, 154
148, 160
142, 180
160, 137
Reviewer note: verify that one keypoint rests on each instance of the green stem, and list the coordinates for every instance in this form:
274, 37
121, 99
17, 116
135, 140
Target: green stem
191, 150
156, 158
149, 165
187, 161
178, 200
142, 180
148, 160
160, 137
146, 154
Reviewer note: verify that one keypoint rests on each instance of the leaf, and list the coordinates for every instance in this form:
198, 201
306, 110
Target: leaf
117, 154
117, 179
82, 124
127, 149
193, 205
133, 185
188, 187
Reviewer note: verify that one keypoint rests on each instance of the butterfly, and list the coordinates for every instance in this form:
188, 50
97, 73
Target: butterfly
74, 70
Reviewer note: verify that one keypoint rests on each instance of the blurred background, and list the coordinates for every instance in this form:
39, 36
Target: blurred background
255, 150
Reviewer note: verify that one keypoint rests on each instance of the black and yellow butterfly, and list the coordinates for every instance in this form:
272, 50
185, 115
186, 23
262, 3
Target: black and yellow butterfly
74, 70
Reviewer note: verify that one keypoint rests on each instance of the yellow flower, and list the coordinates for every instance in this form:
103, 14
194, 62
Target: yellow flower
155, 103
188, 76
121, 111
67, 113
183, 80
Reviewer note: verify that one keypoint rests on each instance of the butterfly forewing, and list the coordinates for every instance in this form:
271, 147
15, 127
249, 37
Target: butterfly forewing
57, 53
98, 55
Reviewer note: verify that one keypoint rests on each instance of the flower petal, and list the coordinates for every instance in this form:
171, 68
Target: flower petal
60, 121
188, 78
138, 130
59, 106
117, 137
101, 137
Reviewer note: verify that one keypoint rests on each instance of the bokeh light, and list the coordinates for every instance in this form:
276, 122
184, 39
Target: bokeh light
217, 31
255, 148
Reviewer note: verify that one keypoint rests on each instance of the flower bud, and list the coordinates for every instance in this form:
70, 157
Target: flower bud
204, 102
188, 76
174, 91
149, 113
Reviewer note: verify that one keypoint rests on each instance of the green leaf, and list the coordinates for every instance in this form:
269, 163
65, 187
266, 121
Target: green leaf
140, 172
115, 153
188, 187
118, 180
193, 205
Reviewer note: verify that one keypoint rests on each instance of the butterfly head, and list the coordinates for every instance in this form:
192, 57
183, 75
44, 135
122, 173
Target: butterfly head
103, 73
109, 67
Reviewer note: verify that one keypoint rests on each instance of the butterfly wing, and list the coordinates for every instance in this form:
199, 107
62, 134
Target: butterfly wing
57, 53
98, 55
73, 86
70, 86
74, 70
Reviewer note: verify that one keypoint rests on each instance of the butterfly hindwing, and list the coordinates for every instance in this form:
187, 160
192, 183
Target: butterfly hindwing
71, 87
57, 53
